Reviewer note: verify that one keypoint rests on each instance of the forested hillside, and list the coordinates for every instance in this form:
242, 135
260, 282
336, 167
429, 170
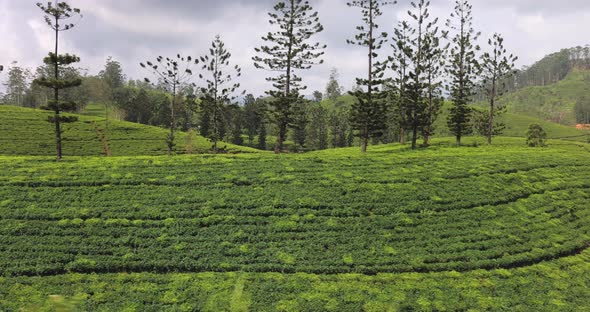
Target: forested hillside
566, 101
554, 67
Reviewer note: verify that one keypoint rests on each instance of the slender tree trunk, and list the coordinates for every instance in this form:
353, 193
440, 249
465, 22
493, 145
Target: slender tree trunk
461, 79
418, 93
402, 136
414, 136
284, 123
56, 93
429, 110
216, 131
365, 132
492, 104
172, 120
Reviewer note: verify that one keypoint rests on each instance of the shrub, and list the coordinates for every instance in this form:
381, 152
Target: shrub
536, 136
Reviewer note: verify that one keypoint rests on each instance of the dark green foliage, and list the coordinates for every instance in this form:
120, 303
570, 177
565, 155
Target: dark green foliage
188, 108
497, 66
339, 129
262, 136
317, 129
288, 52
398, 89
481, 122
57, 17
318, 96
463, 68
434, 65
300, 122
236, 124
536, 136
368, 113
254, 117
424, 56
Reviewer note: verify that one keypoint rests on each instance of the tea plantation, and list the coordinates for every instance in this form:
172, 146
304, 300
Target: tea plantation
25, 131
502, 228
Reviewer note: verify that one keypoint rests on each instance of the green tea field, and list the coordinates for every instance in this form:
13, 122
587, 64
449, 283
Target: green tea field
25, 131
502, 228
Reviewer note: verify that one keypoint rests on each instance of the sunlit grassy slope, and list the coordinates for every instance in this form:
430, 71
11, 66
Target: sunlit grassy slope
517, 125
25, 131
552, 102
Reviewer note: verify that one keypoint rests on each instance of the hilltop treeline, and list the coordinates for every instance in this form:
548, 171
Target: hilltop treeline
551, 69
554, 67
409, 68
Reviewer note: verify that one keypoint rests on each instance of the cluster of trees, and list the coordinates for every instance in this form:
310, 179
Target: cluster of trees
424, 58
20, 89
553, 67
400, 97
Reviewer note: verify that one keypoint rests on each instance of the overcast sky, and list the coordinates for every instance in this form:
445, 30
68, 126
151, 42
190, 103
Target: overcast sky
137, 30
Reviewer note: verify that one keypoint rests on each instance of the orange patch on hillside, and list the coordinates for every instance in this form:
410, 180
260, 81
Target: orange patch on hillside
583, 127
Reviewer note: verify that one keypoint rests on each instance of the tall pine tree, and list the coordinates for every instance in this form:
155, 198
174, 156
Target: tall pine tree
369, 111
463, 68
288, 51
399, 63
57, 17
172, 74
220, 88
421, 47
496, 66
435, 62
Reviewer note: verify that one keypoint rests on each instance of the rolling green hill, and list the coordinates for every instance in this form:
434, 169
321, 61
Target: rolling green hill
517, 125
553, 102
26, 131
525, 108
484, 228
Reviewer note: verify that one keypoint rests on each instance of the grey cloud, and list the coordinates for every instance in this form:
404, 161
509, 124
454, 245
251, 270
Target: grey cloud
136, 30
545, 7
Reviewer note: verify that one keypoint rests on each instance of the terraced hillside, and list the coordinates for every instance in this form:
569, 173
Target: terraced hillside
25, 131
488, 228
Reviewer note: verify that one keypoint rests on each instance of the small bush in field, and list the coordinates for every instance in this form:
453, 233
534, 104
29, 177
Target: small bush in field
536, 136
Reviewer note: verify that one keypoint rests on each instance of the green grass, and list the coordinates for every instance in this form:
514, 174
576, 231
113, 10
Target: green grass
526, 107
501, 227
99, 110
25, 131
552, 102
517, 125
